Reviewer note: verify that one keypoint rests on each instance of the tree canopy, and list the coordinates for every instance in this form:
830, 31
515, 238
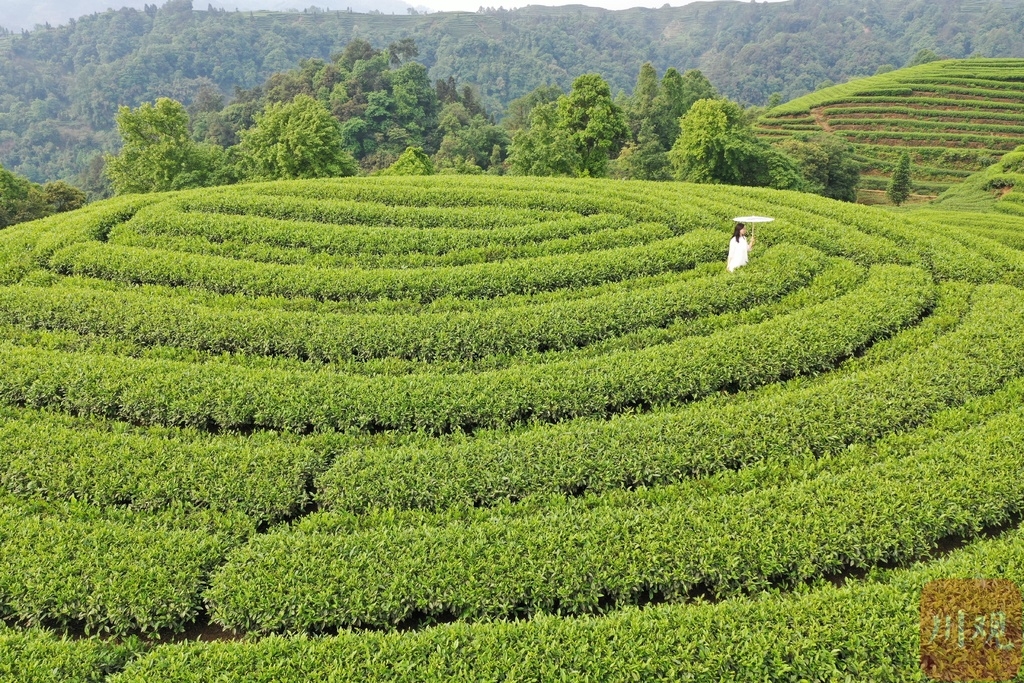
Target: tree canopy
654, 112
827, 163
356, 113
717, 145
60, 87
899, 184
413, 161
22, 200
545, 148
298, 139
574, 135
595, 125
370, 110
159, 153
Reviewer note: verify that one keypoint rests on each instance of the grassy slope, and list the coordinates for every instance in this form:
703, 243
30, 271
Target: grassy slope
1000, 187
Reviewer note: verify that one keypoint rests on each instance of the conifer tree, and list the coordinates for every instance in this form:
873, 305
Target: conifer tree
642, 103
899, 185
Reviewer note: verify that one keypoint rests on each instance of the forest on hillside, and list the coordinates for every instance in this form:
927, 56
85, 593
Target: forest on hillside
61, 87
369, 111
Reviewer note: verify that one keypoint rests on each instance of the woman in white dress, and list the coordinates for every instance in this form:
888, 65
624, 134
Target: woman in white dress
739, 250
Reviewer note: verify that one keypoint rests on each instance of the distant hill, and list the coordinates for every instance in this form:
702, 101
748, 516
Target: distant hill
956, 116
60, 87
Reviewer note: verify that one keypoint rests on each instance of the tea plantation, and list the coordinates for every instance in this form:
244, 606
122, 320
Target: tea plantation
999, 188
475, 428
955, 117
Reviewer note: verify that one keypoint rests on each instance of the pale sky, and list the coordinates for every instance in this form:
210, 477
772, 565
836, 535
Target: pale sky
474, 5
19, 14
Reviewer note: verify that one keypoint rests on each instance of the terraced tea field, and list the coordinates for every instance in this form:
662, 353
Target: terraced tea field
956, 117
999, 188
471, 428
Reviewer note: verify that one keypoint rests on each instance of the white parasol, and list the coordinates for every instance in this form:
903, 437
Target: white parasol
753, 219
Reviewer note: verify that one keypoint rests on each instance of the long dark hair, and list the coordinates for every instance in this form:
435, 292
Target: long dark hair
736, 232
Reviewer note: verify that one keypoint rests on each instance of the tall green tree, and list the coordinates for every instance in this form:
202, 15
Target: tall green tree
696, 86
468, 140
413, 161
644, 102
519, 110
415, 101
357, 50
644, 158
676, 95
544, 148
716, 145
596, 126
653, 113
827, 163
159, 153
385, 105
701, 153
61, 196
573, 136
298, 139
22, 200
899, 184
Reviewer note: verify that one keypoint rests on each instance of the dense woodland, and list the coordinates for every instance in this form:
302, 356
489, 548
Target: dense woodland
60, 88
370, 111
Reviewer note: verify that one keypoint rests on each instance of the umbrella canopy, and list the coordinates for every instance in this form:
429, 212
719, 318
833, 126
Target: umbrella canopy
753, 219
